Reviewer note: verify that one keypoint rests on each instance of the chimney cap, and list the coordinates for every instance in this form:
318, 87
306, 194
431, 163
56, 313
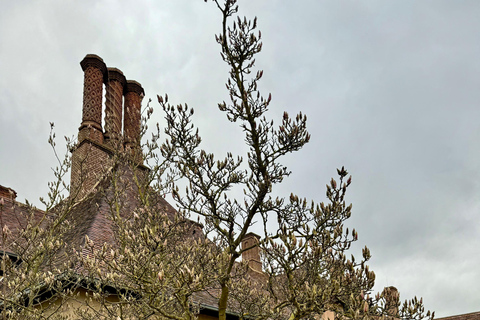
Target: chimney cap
93, 56
113, 69
92, 60
7, 193
251, 234
115, 74
134, 86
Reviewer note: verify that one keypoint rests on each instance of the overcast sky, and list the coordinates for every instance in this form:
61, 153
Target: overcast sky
391, 90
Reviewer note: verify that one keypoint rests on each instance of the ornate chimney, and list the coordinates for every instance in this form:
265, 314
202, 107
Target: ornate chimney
252, 255
95, 74
113, 105
131, 124
92, 156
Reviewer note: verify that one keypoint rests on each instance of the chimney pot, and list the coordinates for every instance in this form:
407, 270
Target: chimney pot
113, 104
7, 193
92, 60
252, 255
95, 74
87, 159
132, 111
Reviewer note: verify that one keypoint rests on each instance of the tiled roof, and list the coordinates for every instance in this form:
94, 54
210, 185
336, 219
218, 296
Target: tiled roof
15, 216
466, 316
91, 216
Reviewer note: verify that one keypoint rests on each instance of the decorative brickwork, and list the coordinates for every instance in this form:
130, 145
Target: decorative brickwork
89, 164
92, 97
131, 123
90, 159
90, 132
113, 104
95, 72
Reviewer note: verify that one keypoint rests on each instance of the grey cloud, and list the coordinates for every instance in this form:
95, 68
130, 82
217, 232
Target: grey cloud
390, 90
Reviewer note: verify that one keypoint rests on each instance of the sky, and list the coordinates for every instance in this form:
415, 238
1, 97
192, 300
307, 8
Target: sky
390, 88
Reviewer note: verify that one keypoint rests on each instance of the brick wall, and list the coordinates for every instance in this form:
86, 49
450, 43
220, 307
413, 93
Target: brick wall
89, 163
252, 255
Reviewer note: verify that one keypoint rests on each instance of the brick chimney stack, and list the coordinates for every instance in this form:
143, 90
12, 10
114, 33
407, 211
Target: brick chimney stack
91, 157
95, 75
113, 105
131, 124
7, 193
252, 255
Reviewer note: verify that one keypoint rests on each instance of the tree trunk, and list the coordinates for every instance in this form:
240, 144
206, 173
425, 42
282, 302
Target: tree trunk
222, 303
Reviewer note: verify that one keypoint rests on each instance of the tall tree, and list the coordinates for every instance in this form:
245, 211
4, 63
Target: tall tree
159, 264
305, 254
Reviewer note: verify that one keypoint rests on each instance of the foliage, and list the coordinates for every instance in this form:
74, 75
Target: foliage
30, 271
305, 257
157, 265
164, 265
